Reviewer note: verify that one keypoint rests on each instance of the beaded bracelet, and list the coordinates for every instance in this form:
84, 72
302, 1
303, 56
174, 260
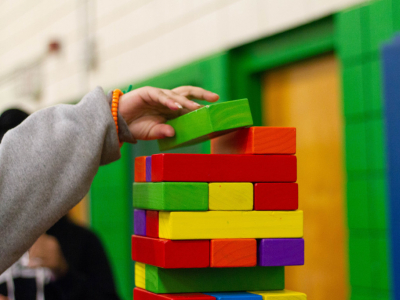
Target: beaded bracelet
114, 110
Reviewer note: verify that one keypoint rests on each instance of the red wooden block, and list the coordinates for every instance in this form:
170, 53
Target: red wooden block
223, 168
140, 294
256, 140
276, 196
171, 254
233, 253
152, 223
140, 169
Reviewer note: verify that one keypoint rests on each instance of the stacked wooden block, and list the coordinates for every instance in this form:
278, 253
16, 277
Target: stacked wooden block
221, 225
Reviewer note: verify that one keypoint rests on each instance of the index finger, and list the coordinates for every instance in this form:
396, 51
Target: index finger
193, 92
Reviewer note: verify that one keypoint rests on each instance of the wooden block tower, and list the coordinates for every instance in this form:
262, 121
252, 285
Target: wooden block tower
218, 226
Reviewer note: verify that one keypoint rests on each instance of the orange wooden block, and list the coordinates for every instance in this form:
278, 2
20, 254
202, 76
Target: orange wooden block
256, 140
140, 169
233, 253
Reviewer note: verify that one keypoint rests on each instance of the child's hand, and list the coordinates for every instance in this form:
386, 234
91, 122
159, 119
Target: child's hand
146, 109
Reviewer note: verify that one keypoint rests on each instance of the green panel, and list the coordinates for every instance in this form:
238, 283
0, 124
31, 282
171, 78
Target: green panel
207, 122
380, 23
159, 280
376, 153
360, 259
380, 262
355, 142
353, 92
357, 204
349, 33
362, 293
396, 14
377, 199
171, 196
373, 86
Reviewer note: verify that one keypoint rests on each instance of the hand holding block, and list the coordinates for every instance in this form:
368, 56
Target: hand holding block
281, 295
276, 196
235, 296
230, 196
223, 168
160, 280
171, 195
230, 224
256, 140
140, 169
171, 254
281, 252
206, 123
140, 294
233, 253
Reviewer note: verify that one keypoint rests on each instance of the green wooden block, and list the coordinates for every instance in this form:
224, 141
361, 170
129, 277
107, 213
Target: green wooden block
362, 293
373, 86
171, 196
206, 123
348, 33
377, 200
356, 144
357, 204
360, 259
380, 23
376, 151
159, 280
380, 263
353, 91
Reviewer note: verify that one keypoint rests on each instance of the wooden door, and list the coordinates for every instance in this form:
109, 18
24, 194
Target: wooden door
306, 95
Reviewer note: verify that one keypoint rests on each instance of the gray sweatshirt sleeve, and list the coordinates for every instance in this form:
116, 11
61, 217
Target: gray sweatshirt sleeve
47, 165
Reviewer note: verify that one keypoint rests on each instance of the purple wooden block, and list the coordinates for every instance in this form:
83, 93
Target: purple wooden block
139, 222
148, 168
280, 252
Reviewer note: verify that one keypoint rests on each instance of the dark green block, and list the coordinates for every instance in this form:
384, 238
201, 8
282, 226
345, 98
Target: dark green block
373, 86
380, 23
362, 293
376, 152
159, 280
380, 264
206, 123
377, 199
353, 91
348, 33
171, 196
356, 144
357, 204
360, 260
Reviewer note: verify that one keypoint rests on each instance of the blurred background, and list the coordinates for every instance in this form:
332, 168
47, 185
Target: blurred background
312, 64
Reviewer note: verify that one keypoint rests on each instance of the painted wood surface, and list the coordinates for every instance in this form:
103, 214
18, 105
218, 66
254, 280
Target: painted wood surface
280, 252
139, 222
148, 169
223, 168
171, 195
281, 295
140, 169
152, 223
230, 196
233, 253
140, 275
235, 296
256, 140
276, 196
141, 294
230, 224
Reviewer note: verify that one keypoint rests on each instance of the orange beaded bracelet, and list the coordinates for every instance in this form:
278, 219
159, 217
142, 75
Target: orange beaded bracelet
114, 109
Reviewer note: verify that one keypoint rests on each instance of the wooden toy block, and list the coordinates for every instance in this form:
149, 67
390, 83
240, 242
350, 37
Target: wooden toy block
276, 196
171, 254
140, 275
256, 140
148, 169
152, 223
140, 169
230, 224
171, 196
280, 252
139, 222
223, 168
233, 253
206, 123
235, 296
141, 294
230, 196
281, 295
160, 280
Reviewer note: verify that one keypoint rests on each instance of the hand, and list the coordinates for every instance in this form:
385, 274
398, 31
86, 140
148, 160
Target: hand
46, 252
4, 297
146, 109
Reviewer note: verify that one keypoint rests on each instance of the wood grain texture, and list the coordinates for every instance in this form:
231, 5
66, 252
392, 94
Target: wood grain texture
140, 275
233, 253
206, 123
141, 294
230, 224
235, 296
230, 196
140, 169
280, 252
276, 196
223, 168
152, 223
160, 280
281, 295
256, 140
171, 196
171, 254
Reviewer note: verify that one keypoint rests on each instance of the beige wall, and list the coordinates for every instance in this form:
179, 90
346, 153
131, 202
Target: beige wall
112, 43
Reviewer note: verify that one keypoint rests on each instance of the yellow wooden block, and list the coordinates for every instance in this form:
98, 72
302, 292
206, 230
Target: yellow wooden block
179, 225
281, 295
230, 196
140, 275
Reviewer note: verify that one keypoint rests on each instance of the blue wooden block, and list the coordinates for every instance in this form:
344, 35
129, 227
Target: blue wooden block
235, 296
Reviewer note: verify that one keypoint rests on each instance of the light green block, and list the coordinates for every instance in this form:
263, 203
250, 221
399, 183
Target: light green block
171, 196
159, 280
206, 123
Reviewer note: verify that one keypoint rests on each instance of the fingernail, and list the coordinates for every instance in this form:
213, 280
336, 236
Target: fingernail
179, 106
196, 104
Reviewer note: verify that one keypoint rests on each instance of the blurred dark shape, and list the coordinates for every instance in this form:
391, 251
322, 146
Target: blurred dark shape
11, 118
